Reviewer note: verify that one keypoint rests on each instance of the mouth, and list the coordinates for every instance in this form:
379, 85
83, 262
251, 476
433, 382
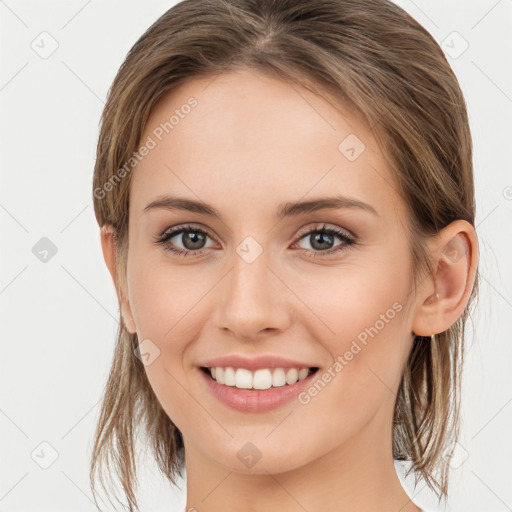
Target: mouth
257, 391
259, 380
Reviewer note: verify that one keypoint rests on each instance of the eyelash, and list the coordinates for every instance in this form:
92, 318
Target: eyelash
348, 241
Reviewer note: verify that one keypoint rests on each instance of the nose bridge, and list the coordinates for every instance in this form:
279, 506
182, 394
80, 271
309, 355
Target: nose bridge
252, 298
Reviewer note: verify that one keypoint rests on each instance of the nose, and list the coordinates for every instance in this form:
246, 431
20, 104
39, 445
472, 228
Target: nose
252, 299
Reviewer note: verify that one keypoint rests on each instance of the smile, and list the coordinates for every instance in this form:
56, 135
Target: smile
256, 391
264, 378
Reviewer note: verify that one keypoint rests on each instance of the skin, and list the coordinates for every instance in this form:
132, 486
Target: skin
252, 143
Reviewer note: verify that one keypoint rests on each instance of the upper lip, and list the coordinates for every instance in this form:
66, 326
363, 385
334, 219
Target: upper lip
255, 363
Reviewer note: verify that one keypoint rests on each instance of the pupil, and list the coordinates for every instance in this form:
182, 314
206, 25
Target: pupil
196, 239
321, 238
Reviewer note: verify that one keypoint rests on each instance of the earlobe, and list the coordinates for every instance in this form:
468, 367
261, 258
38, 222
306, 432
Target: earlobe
108, 247
443, 298
128, 318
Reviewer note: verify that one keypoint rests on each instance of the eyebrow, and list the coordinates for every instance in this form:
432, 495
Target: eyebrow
285, 210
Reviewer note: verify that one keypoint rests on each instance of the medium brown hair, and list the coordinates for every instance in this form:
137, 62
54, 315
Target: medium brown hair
371, 56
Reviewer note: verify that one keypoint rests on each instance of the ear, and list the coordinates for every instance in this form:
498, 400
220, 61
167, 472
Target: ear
108, 247
443, 296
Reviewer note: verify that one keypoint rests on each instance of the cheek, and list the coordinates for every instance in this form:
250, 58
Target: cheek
367, 354
162, 302
360, 320
165, 299
349, 300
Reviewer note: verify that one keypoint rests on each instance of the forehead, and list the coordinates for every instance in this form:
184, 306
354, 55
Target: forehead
244, 137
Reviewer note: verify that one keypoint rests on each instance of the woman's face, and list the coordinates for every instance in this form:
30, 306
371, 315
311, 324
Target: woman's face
257, 283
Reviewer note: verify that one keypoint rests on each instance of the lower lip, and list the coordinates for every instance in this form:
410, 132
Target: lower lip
251, 400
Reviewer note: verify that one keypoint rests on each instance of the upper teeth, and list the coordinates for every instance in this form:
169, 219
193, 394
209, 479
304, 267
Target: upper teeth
259, 379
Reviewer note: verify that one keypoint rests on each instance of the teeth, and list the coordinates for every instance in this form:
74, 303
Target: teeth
292, 376
260, 379
303, 373
243, 378
229, 377
278, 378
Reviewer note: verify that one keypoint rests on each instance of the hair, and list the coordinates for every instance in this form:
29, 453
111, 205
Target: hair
371, 56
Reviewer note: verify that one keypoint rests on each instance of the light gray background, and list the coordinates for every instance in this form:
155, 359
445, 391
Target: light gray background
58, 319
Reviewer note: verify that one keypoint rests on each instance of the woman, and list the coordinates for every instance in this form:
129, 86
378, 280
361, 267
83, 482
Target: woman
286, 202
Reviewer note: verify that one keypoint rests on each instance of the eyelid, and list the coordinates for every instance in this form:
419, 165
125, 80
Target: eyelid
171, 232
348, 238
303, 231
319, 226
186, 225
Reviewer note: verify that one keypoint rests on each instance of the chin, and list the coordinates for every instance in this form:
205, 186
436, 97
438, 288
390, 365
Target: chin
260, 455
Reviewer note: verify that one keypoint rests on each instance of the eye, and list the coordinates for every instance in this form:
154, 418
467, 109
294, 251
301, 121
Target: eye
321, 240
192, 238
